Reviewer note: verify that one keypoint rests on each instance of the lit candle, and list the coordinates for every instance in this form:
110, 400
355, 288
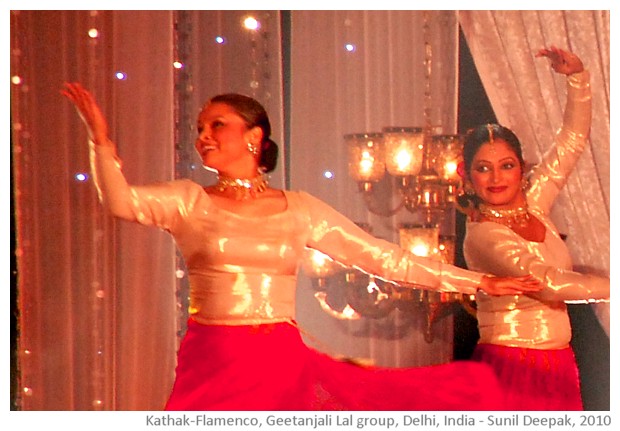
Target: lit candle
420, 240
366, 156
448, 151
404, 150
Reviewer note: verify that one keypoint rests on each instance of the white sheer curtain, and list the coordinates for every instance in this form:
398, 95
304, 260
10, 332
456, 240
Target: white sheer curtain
353, 72
529, 98
102, 302
97, 323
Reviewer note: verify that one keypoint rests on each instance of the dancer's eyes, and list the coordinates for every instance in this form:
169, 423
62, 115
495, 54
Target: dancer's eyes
214, 125
504, 166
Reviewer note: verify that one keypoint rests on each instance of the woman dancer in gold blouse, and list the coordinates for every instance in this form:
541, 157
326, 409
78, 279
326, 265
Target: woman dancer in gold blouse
242, 242
509, 232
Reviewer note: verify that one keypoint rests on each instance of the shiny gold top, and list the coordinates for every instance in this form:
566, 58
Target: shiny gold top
539, 320
243, 269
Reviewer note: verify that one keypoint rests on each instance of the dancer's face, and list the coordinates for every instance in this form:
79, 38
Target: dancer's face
496, 175
223, 138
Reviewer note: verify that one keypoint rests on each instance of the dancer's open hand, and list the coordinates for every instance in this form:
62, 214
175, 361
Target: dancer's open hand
563, 62
89, 112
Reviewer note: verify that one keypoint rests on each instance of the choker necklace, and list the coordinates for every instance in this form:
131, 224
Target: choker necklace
243, 188
510, 217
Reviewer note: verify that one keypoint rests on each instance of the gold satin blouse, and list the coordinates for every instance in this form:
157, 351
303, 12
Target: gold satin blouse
243, 269
539, 320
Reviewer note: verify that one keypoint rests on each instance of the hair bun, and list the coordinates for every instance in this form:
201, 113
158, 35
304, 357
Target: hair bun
269, 155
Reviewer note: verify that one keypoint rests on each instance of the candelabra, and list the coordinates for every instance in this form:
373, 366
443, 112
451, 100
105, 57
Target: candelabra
425, 169
423, 162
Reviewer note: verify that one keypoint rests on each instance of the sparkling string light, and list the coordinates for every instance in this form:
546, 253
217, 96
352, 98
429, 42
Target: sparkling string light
428, 68
100, 288
258, 30
96, 287
21, 377
251, 23
183, 130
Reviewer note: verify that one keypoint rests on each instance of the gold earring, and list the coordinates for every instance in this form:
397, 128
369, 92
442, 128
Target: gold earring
253, 149
524, 183
468, 188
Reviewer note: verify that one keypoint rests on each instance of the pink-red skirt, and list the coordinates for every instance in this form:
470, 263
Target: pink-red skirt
269, 368
534, 379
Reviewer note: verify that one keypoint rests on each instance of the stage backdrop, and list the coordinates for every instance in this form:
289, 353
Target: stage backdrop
102, 303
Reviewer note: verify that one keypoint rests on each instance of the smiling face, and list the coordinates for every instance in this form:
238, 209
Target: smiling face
222, 142
496, 175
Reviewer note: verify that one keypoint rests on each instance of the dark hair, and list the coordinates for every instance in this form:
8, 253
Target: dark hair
474, 139
254, 115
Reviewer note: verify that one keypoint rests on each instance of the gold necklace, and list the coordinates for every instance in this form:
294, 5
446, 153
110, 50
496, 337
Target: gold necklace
510, 217
243, 188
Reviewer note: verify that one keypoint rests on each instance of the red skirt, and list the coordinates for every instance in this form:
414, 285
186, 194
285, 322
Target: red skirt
534, 379
269, 368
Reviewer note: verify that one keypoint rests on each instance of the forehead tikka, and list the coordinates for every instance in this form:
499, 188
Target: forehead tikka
491, 137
